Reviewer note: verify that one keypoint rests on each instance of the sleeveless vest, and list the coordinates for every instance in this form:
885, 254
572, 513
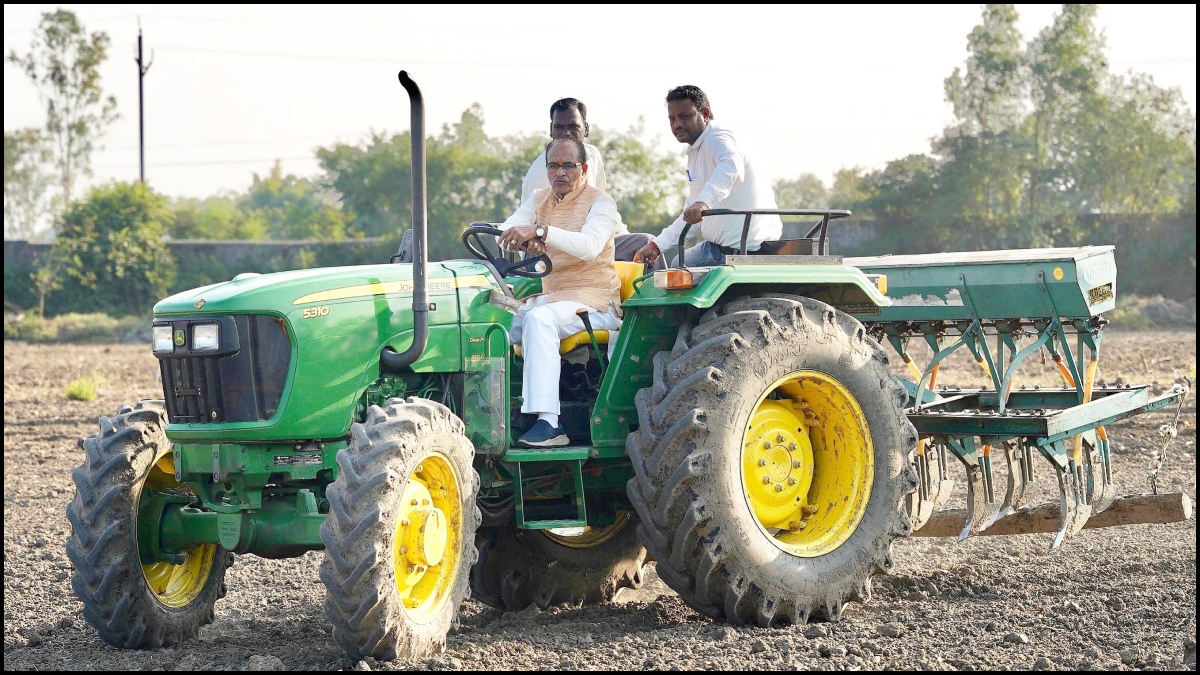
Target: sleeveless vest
591, 282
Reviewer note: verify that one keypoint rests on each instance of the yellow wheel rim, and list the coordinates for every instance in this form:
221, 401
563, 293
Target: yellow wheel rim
807, 463
428, 537
588, 537
175, 585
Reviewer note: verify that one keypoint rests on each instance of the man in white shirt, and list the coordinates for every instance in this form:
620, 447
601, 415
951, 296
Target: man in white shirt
568, 119
572, 223
719, 177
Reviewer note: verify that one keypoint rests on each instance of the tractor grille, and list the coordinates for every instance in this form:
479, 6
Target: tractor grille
244, 386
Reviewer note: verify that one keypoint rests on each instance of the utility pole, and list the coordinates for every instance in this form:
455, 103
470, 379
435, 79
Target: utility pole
142, 69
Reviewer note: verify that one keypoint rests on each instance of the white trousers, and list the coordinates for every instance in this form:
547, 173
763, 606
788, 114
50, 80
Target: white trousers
539, 327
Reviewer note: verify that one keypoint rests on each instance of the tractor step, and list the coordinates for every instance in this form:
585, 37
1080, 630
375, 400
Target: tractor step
543, 474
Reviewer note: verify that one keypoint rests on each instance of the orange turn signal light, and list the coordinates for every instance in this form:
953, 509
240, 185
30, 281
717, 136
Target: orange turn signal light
673, 279
881, 283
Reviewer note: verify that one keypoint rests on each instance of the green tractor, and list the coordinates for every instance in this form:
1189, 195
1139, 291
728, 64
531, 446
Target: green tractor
742, 430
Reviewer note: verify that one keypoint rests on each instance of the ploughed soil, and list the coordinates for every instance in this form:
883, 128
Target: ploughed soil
1118, 598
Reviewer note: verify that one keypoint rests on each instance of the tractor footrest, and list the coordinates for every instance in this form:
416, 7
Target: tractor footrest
552, 524
568, 452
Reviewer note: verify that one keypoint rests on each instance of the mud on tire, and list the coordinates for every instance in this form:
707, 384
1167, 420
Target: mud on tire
687, 486
518, 568
108, 578
362, 598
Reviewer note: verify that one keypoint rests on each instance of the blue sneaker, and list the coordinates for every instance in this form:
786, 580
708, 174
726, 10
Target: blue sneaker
542, 435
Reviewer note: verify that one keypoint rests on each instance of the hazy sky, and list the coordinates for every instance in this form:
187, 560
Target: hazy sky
805, 89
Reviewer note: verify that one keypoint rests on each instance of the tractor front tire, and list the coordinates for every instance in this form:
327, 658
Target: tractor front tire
135, 605
518, 568
770, 406
400, 535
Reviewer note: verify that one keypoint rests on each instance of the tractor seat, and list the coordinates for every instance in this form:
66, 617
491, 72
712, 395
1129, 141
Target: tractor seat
626, 272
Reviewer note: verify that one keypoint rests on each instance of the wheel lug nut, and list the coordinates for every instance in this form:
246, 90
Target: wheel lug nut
762, 462
404, 522
791, 446
779, 438
766, 480
791, 481
767, 444
810, 510
414, 502
778, 488
796, 464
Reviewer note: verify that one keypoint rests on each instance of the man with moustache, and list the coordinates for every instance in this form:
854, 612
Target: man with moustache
574, 224
719, 177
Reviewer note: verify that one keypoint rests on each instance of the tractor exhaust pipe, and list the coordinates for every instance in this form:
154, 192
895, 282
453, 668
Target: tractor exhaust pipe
390, 360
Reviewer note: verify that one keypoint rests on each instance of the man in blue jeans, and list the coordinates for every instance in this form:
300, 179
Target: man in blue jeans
719, 177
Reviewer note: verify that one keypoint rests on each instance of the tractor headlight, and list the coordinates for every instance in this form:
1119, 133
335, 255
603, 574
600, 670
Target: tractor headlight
162, 339
206, 337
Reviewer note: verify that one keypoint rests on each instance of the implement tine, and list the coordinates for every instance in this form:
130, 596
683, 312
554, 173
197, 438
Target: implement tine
979, 506
1014, 496
943, 485
1101, 489
921, 505
1074, 510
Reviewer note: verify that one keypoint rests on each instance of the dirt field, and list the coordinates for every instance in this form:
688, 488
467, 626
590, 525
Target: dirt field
1119, 598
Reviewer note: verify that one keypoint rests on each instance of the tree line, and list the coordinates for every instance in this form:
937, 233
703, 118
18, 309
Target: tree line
1045, 138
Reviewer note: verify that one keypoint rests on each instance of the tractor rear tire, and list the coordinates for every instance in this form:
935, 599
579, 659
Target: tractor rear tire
518, 568
690, 486
386, 596
118, 598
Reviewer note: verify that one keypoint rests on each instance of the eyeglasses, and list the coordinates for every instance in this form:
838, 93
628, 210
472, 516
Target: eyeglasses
553, 167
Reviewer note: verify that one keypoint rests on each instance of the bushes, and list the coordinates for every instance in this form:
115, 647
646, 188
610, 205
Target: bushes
77, 328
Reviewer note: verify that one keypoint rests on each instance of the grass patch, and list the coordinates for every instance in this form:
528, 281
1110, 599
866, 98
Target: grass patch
84, 388
29, 327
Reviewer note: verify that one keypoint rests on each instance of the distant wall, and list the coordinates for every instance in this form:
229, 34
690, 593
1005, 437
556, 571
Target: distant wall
1156, 255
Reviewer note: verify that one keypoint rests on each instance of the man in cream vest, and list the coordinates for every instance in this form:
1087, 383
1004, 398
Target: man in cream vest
573, 223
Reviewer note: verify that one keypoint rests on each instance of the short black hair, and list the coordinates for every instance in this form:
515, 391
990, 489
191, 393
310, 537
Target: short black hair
579, 147
692, 93
567, 104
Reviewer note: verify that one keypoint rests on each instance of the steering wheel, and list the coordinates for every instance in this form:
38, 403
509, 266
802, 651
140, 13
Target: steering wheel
532, 268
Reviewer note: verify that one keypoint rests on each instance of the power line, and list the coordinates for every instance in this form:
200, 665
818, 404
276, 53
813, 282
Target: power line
472, 64
235, 161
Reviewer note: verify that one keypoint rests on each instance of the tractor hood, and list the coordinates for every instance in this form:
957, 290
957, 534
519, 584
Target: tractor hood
282, 291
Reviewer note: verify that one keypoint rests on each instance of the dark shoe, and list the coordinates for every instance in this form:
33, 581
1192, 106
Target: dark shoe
542, 435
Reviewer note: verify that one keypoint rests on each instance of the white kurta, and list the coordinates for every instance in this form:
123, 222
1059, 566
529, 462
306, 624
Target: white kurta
721, 176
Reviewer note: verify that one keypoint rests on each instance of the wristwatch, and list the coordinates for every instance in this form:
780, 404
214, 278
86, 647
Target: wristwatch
540, 232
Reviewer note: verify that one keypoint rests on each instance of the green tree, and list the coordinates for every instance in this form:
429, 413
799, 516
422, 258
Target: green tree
64, 65
292, 208
848, 190
112, 245
1067, 70
981, 155
805, 192
217, 218
1141, 155
26, 154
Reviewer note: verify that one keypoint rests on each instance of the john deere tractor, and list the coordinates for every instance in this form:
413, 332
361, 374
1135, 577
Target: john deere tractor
742, 430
